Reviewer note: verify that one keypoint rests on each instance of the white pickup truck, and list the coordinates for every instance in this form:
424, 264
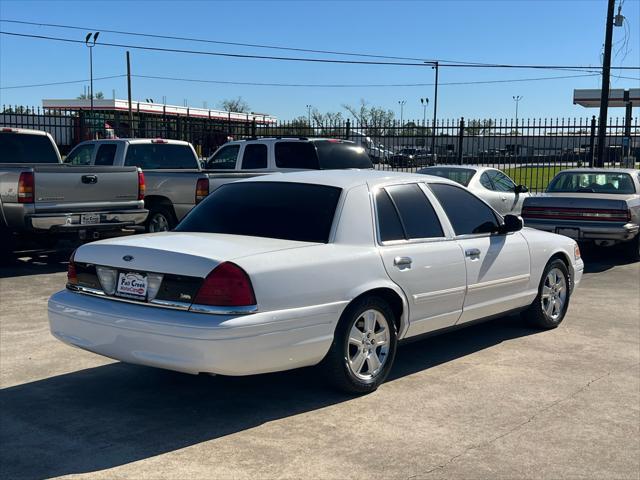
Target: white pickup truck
42, 199
176, 181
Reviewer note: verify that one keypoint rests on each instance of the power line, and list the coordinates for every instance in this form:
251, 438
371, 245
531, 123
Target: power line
587, 69
59, 83
359, 85
220, 42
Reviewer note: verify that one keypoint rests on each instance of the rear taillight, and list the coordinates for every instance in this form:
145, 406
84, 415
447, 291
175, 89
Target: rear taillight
26, 188
202, 189
141, 185
72, 274
227, 285
589, 214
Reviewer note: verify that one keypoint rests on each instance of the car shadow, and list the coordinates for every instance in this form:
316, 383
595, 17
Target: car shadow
36, 263
601, 259
107, 416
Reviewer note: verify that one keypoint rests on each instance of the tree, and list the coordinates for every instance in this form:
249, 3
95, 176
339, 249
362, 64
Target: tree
479, 127
18, 109
238, 105
85, 96
328, 123
372, 120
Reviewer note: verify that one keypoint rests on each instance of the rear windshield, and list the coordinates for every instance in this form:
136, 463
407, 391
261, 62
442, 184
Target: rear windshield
25, 148
459, 175
290, 211
338, 155
592, 182
150, 156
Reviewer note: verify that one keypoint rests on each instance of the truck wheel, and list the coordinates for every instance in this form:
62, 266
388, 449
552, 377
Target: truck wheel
550, 305
160, 219
7, 246
363, 348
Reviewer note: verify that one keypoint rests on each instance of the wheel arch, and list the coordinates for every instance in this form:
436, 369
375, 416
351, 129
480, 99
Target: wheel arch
396, 299
151, 201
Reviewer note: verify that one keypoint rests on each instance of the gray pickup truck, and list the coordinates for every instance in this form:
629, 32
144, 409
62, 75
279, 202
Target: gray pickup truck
598, 205
41, 198
176, 181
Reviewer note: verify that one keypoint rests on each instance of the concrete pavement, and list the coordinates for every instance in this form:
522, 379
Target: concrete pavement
497, 400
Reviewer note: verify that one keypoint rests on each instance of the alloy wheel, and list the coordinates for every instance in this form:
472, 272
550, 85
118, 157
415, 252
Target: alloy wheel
554, 294
368, 345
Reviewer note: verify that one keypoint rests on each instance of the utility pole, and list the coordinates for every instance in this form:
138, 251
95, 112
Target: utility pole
604, 93
435, 114
129, 95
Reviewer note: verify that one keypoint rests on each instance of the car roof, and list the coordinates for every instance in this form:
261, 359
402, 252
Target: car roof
27, 131
290, 139
347, 179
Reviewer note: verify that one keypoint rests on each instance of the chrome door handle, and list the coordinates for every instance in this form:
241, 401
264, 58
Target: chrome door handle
472, 253
402, 262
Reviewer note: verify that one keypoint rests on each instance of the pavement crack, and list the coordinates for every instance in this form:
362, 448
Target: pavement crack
517, 427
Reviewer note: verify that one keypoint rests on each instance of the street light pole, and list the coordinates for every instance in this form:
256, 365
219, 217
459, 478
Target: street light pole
91, 42
425, 103
401, 103
517, 98
309, 114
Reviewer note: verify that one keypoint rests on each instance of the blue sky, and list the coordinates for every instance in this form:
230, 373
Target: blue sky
532, 32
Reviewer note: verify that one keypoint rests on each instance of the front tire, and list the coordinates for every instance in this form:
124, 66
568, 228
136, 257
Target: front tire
550, 305
363, 348
633, 249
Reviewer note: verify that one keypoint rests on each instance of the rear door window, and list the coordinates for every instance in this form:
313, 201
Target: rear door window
25, 148
485, 181
388, 219
468, 214
106, 154
166, 156
418, 217
298, 155
224, 159
80, 155
338, 155
254, 156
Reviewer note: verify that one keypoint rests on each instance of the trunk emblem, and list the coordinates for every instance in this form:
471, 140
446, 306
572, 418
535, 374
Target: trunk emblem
127, 258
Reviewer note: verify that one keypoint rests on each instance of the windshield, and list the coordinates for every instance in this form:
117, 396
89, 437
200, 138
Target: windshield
592, 182
24, 148
290, 211
460, 175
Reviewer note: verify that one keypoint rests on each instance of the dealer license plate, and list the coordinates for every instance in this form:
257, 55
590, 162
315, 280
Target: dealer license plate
89, 218
569, 232
132, 285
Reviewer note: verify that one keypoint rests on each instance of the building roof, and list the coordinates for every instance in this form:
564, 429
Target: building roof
114, 104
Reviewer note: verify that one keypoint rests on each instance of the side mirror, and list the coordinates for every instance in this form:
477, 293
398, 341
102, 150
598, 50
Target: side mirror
512, 223
520, 189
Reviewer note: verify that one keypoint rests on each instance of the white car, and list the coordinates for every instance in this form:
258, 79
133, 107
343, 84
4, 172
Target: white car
490, 184
331, 268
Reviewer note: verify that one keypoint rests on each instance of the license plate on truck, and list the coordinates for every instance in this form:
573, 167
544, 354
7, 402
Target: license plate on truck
89, 218
132, 285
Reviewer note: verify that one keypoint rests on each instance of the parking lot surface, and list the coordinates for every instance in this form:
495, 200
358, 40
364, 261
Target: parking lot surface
496, 400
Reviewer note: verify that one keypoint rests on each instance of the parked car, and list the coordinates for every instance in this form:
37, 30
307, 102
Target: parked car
41, 199
595, 205
490, 184
404, 158
274, 273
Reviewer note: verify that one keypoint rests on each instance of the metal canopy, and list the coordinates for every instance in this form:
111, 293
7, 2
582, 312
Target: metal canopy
590, 98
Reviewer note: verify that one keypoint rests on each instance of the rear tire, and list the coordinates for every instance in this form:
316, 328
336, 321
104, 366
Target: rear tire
160, 219
550, 305
364, 347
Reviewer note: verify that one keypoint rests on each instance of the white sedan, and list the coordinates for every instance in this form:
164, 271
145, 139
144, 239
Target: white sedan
490, 184
329, 268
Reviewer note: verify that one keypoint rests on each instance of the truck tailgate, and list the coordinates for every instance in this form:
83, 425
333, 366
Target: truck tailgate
93, 187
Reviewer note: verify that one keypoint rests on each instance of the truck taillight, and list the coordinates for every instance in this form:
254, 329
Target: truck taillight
26, 188
72, 274
141, 185
202, 189
227, 285
159, 140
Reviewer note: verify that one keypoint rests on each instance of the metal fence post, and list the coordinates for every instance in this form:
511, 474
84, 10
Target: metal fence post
254, 128
592, 141
460, 139
347, 130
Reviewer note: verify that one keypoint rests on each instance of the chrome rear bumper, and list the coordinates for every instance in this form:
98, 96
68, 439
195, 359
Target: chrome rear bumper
72, 221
